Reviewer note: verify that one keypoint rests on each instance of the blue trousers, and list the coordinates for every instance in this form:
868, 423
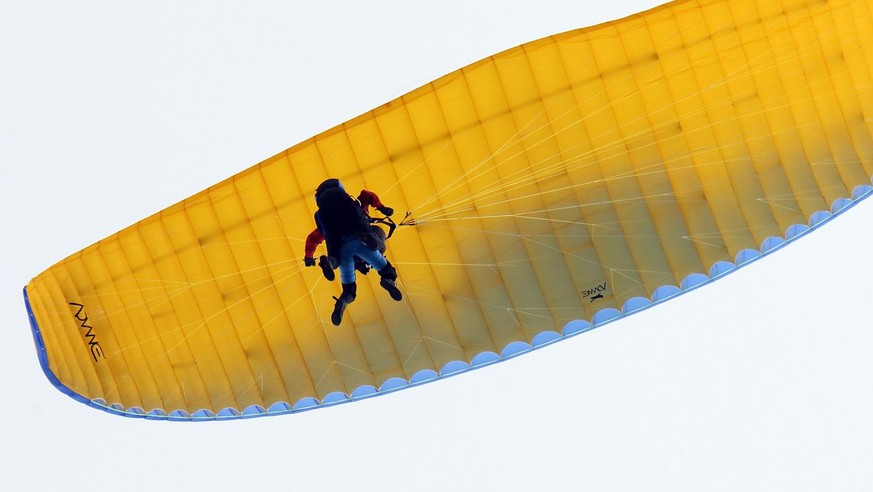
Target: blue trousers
355, 247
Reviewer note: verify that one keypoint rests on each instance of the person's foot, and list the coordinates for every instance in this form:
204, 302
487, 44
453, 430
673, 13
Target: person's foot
326, 268
350, 291
338, 309
391, 287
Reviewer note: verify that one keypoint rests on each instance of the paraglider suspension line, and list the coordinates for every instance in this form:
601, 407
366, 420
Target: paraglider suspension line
408, 220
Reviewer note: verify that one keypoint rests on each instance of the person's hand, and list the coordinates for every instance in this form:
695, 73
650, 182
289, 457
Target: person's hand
309, 261
386, 211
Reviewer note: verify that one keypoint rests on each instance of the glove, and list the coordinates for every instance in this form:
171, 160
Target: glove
386, 211
309, 261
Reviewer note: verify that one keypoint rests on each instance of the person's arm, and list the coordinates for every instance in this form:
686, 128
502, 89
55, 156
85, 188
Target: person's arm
368, 198
312, 241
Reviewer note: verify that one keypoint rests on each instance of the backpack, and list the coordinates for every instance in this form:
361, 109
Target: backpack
339, 215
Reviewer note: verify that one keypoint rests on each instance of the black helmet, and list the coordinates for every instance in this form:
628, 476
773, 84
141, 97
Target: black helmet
328, 184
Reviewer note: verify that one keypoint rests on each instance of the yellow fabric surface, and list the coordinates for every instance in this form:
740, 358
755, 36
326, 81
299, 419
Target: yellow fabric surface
609, 160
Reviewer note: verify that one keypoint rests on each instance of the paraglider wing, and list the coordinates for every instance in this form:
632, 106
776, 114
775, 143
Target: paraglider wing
552, 187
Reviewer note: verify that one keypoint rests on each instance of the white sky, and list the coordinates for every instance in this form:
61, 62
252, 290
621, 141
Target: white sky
110, 112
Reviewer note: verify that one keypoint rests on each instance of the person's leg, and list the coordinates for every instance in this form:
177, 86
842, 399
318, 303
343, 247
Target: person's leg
347, 262
373, 257
384, 268
347, 277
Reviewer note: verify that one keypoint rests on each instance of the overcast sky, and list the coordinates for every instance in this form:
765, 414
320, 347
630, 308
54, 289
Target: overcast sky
110, 112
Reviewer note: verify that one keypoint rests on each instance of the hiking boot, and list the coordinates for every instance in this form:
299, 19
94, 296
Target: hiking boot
336, 317
348, 295
391, 287
388, 282
327, 267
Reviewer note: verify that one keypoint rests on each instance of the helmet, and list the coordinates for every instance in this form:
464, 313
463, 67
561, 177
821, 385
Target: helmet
328, 184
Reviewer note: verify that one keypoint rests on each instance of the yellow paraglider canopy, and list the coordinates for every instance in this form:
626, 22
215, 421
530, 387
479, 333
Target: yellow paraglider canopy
563, 182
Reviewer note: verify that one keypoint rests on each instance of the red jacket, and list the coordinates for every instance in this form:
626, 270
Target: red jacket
366, 199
